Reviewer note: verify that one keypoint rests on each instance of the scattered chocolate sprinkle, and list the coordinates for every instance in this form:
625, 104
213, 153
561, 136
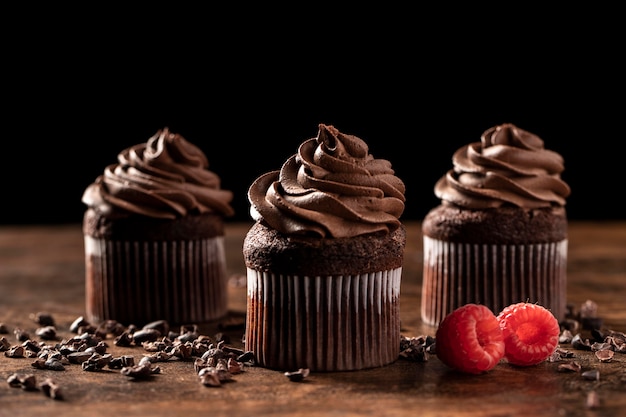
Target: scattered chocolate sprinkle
571, 325
570, 366
299, 375
14, 381
145, 335
579, 343
416, 348
21, 335
43, 319
4, 344
234, 366
107, 327
96, 362
187, 336
159, 356
597, 346
161, 325
122, 362
564, 353
604, 355
588, 316
78, 357
53, 364
48, 332
31, 346
617, 340
209, 377
76, 324
124, 340
246, 357
15, 352
598, 334
51, 389
588, 309
591, 375
566, 336
27, 382
140, 371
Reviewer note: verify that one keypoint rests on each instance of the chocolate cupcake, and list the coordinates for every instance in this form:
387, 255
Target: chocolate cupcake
499, 235
324, 259
154, 236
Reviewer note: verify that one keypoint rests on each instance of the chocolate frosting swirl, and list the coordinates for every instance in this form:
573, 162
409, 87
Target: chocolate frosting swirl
332, 187
167, 177
509, 166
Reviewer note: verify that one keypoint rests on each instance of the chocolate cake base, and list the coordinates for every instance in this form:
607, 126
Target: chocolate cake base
323, 323
265, 249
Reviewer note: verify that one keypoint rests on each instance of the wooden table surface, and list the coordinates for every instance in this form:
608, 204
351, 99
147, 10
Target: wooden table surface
42, 271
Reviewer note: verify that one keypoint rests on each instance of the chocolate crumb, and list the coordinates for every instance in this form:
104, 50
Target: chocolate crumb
298, 376
43, 319
604, 355
591, 375
570, 366
51, 389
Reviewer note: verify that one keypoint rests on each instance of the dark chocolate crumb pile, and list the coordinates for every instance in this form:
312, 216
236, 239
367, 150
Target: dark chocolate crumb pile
213, 360
28, 382
416, 348
604, 342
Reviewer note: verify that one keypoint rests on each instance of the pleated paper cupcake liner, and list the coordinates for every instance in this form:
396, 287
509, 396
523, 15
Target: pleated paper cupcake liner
183, 282
329, 323
493, 275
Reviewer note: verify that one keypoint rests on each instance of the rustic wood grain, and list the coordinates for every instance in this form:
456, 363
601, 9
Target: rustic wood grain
42, 270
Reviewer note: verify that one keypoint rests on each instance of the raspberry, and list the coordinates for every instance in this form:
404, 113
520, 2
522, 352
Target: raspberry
469, 339
531, 333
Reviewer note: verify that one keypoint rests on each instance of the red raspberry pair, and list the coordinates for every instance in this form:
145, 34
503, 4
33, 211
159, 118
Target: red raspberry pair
473, 339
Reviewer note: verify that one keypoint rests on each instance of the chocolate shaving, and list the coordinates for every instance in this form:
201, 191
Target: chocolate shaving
604, 355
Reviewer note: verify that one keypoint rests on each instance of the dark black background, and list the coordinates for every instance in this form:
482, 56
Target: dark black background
414, 86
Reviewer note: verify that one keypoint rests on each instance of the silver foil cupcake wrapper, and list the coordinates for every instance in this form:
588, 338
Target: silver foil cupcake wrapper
330, 323
137, 282
493, 275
